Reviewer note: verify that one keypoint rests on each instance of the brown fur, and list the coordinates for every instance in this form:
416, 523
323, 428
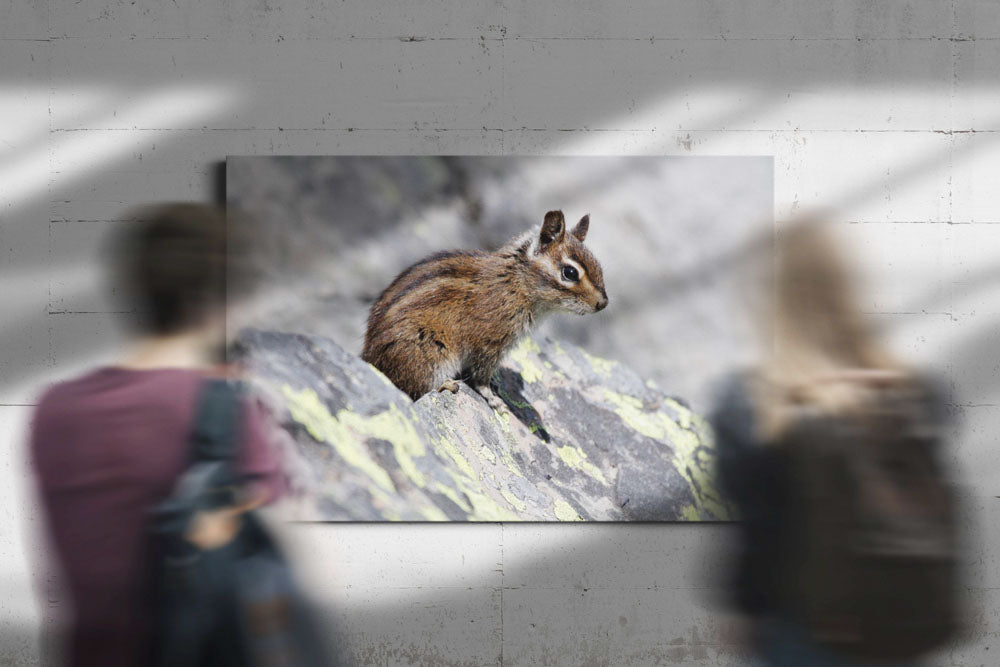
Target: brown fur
457, 313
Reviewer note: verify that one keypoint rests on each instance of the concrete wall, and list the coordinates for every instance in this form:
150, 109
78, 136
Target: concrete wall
886, 112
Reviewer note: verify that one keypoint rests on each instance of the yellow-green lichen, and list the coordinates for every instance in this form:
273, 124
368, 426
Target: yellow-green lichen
347, 430
451, 494
683, 414
391, 515
601, 366
480, 506
509, 462
503, 419
508, 445
306, 408
485, 508
565, 512
686, 442
487, 454
467, 489
576, 458
443, 446
395, 428
521, 354
691, 513
516, 502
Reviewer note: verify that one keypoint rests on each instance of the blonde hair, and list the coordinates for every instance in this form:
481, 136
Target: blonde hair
819, 337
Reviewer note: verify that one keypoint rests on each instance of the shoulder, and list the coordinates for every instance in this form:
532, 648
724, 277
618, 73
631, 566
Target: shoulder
64, 388
112, 388
66, 395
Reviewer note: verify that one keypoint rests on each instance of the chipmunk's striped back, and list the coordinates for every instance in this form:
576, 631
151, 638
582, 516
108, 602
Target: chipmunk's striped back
455, 314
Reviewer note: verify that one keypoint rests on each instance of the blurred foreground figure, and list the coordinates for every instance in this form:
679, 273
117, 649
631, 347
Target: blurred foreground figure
109, 448
847, 548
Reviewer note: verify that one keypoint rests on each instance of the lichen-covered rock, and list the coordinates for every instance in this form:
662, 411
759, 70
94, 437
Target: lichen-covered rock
585, 439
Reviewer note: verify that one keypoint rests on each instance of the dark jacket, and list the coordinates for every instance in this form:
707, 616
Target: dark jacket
756, 478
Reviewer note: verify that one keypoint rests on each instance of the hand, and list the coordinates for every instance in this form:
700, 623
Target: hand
211, 529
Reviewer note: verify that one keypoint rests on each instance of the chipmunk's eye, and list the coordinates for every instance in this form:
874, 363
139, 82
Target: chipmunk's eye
570, 273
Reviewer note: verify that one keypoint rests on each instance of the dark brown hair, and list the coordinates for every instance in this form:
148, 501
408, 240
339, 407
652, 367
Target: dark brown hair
171, 263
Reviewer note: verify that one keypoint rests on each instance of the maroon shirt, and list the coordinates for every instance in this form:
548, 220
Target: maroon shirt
106, 447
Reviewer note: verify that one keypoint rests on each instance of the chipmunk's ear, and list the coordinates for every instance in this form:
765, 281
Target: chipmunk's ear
553, 229
580, 231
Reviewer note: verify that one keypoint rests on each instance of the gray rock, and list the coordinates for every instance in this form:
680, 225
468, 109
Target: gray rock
584, 438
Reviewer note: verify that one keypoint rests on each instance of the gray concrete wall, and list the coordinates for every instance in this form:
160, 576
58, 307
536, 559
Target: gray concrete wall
886, 112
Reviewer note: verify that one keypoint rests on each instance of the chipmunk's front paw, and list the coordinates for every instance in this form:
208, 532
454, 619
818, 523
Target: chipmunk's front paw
449, 385
492, 398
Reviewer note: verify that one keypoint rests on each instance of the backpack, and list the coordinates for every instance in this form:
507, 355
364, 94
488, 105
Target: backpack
238, 604
873, 555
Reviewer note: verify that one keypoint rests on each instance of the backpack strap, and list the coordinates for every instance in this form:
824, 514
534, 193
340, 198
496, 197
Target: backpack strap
215, 437
216, 423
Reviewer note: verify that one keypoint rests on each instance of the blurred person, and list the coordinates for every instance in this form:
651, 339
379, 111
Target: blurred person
846, 549
108, 446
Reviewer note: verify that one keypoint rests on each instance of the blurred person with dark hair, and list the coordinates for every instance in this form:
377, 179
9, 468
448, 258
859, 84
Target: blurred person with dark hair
846, 550
110, 445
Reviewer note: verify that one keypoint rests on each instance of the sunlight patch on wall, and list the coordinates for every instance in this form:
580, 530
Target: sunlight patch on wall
27, 172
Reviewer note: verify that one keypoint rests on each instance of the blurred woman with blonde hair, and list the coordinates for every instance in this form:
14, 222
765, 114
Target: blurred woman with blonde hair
828, 450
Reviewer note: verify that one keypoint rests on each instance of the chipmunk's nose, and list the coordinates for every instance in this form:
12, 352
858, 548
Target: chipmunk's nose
602, 303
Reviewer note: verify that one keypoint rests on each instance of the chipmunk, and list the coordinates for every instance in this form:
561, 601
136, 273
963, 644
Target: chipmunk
455, 314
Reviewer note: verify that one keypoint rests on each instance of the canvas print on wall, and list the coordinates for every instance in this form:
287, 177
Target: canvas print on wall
498, 338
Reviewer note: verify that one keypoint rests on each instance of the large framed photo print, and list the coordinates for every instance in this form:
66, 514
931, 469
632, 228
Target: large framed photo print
498, 338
